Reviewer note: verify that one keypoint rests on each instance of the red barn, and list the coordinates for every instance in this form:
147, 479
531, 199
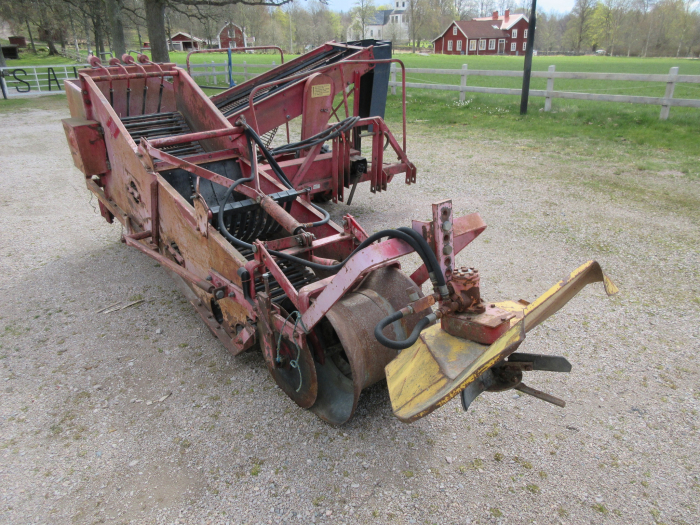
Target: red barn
506, 35
516, 26
232, 35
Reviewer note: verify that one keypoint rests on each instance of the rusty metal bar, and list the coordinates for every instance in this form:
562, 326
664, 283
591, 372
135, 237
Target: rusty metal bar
193, 137
130, 76
280, 215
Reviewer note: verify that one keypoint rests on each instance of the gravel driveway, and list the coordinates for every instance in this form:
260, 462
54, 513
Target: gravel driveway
137, 415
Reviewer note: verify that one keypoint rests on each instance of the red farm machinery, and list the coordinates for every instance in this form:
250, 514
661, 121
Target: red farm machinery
198, 186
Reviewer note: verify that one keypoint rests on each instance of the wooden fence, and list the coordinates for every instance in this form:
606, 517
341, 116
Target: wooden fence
666, 102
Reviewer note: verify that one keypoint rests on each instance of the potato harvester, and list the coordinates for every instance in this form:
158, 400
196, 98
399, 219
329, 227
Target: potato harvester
198, 186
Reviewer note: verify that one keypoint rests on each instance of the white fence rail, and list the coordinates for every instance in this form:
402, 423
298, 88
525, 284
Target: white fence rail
666, 102
26, 81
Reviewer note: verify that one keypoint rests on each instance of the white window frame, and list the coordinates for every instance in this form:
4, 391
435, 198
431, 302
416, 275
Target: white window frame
524, 46
524, 33
472, 45
449, 45
482, 44
515, 33
454, 31
492, 44
513, 46
459, 45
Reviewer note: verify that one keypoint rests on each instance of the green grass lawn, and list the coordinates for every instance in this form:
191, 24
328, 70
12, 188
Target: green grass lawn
574, 124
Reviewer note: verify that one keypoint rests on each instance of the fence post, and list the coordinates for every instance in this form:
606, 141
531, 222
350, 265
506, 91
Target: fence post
245, 71
463, 82
393, 78
550, 88
230, 69
670, 87
213, 70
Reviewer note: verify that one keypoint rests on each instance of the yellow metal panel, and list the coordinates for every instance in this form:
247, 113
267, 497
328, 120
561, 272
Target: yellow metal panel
438, 366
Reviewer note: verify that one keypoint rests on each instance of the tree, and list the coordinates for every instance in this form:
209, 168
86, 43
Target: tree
417, 15
579, 26
607, 20
363, 14
114, 12
155, 18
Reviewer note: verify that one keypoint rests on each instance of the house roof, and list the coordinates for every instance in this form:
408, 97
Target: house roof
512, 20
382, 16
231, 24
188, 36
475, 29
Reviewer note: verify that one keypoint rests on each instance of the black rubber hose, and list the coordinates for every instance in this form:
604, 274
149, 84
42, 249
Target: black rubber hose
282, 177
434, 266
320, 137
227, 196
399, 345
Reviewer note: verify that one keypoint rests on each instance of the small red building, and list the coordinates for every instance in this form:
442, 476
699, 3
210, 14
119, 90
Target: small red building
504, 35
182, 41
232, 35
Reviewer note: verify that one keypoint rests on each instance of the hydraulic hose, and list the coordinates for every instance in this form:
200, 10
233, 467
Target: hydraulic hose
282, 177
434, 271
410, 340
320, 137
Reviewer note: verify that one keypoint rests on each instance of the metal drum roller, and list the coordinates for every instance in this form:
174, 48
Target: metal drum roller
355, 359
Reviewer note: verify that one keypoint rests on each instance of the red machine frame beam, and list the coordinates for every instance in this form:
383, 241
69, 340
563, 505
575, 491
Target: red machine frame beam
360, 263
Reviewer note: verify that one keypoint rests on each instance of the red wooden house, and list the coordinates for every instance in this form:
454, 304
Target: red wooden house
516, 26
232, 35
506, 35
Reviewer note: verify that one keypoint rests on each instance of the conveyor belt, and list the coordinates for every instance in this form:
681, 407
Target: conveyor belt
160, 125
238, 101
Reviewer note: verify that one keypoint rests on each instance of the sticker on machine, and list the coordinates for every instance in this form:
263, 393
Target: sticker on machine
320, 90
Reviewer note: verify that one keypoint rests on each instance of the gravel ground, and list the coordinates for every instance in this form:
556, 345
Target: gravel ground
139, 415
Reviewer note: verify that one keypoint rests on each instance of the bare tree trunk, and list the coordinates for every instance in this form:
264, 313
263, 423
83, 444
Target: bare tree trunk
31, 38
87, 33
155, 22
114, 12
2, 59
52, 47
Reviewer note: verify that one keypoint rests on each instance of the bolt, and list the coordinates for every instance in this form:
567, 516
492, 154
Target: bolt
447, 249
231, 294
447, 226
219, 294
288, 117
208, 277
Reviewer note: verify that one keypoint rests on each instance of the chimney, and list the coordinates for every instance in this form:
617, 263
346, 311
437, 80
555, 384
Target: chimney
506, 16
495, 15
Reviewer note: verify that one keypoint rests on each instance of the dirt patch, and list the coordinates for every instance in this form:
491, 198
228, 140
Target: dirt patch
139, 415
